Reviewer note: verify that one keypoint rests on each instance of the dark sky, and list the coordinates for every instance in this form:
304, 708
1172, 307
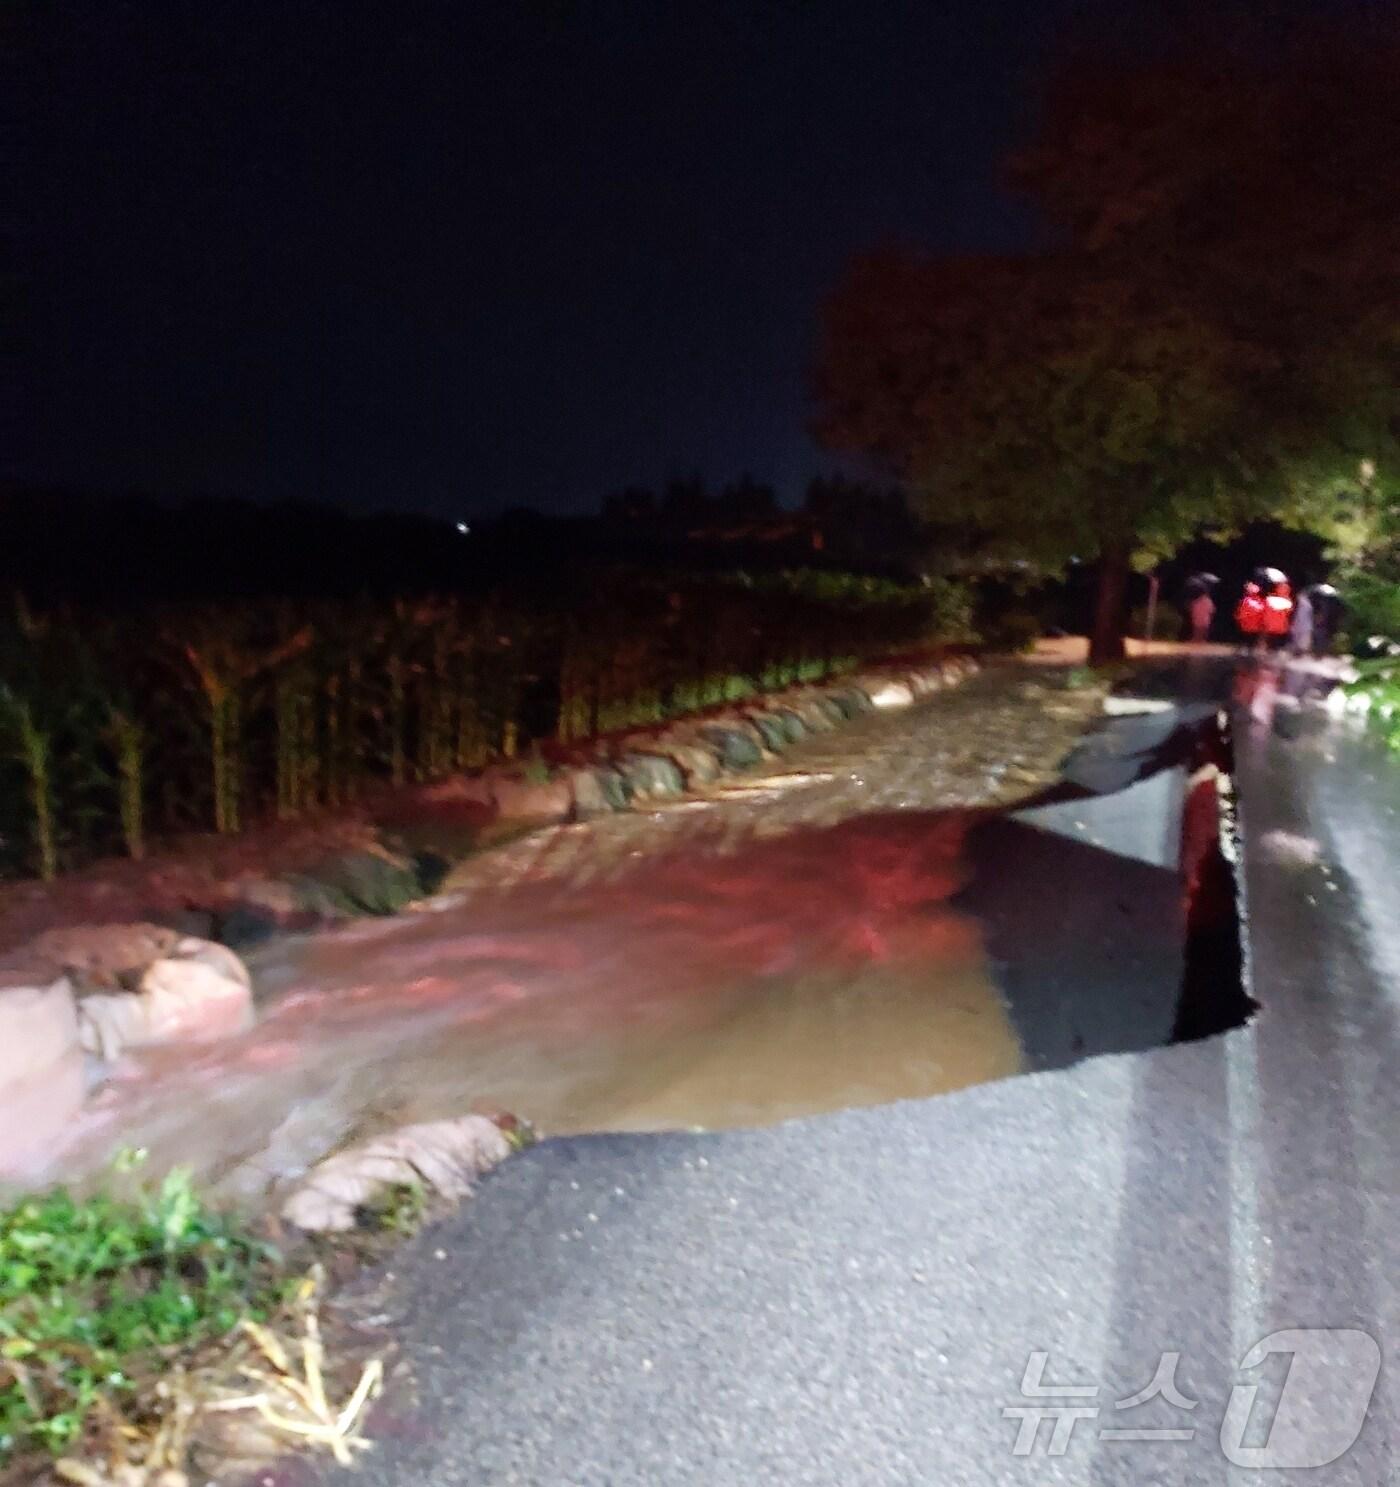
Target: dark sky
469, 255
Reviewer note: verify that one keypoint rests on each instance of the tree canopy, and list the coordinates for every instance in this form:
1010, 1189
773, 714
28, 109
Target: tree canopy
1213, 336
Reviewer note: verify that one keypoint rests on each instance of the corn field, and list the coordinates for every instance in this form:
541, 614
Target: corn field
117, 729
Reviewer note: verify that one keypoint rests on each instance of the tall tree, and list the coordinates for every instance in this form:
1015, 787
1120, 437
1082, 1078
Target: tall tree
1046, 400
1255, 182
1214, 331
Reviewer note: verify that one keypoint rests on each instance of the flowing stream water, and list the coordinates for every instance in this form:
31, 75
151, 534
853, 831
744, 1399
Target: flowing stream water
783, 945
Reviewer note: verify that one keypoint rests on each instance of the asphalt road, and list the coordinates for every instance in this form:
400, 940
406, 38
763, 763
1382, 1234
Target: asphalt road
854, 1299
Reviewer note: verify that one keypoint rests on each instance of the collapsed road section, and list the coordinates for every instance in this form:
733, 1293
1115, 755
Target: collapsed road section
1109, 904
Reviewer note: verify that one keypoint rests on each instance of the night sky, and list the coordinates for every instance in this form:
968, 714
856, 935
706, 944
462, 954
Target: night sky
466, 256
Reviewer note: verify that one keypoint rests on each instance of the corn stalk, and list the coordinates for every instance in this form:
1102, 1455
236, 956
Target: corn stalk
226, 733
333, 730
397, 671
222, 673
36, 755
435, 733
576, 709
129, 740
469, 746
296, 742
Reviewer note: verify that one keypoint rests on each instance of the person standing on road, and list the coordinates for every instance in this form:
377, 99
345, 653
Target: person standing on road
1202, 612
1302, 634
1278, 615
1249, 616
1326, 606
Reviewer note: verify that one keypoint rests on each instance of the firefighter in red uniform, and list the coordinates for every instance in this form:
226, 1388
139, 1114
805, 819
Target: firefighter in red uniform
1278, 616
1249, 614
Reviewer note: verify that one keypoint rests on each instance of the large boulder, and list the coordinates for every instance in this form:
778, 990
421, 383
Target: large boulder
41, 1062
792, 722
698, 761
815, 717
849, 701
132, 985
820, 700
38, 1021
198, 993
349, 884
736, 747
927, 680
597, 791
774, 734
892, 691
104, 956
651, 776
443, 1156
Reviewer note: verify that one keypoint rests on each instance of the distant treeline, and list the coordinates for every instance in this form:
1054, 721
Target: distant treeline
122, 720
59, 545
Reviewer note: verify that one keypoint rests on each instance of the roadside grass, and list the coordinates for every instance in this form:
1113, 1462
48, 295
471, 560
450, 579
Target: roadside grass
100, 1296
1376, 692
143, 1329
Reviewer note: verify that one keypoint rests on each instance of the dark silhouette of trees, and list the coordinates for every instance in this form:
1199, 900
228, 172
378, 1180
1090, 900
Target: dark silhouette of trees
1041, 399
632, 503
745, 500
1215, 338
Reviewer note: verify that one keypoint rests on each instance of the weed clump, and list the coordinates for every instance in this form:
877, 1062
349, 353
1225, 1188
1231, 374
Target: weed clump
100, 1296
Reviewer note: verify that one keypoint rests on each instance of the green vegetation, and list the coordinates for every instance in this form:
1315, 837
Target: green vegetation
520, 1135
1367, 544
401, 1209
100, 1296
1214, 337
1377, 689
1370, 579
114, 730
1372, 609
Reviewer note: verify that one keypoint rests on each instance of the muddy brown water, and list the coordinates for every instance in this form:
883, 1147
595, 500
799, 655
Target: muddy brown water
784, 948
